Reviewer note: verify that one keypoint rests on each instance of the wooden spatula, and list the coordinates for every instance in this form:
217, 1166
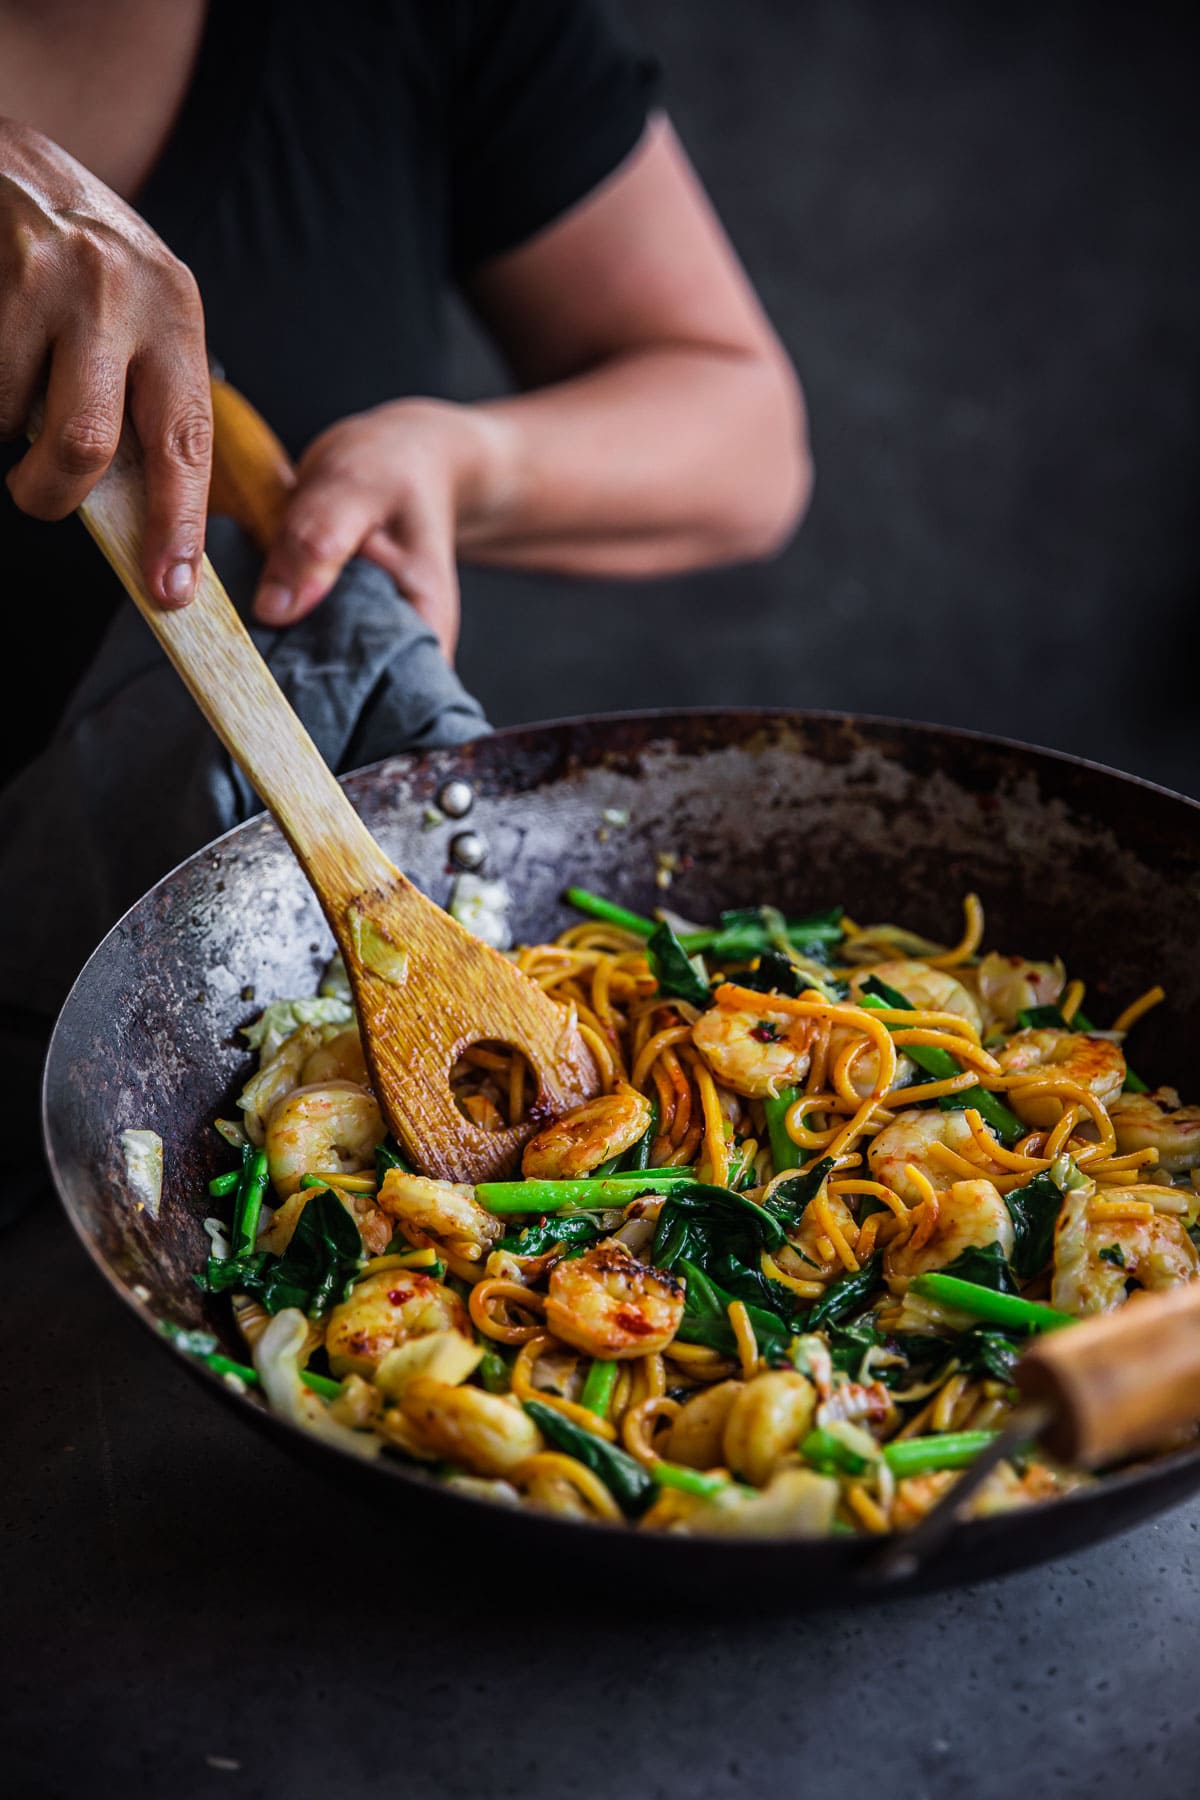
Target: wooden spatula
1094, 1393
424, 987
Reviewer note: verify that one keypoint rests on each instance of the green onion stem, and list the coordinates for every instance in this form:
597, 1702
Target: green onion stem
639, 1156
603, 1170
243, 1231
597, 907
220, 1185
598, 1388
225, 1365
985, 1303
504, 1197
784, 1152
493, 1370
948, 1450
695, 1481
827, 1452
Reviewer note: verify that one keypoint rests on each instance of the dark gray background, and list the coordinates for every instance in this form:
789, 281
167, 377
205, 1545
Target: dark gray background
975, 229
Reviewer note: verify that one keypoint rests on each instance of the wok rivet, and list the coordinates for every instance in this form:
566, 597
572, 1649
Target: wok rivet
468, 849
456, 797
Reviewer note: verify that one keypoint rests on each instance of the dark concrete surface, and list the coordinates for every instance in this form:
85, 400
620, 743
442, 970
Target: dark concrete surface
188, 1613
191, 1615
975, 229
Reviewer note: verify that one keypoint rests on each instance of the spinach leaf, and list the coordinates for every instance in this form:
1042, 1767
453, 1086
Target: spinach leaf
790, 1198
694, 1211
983, 1351
672, 968
845, 1293
1039, 1018
745, 930
631, 1485
388, 1157
324, 1252
706, 1318
986, 1267
848, 1344
578, 1228
716, 1280
639, 1156
1034, 1211
980, 1351
773, 974
744, 1280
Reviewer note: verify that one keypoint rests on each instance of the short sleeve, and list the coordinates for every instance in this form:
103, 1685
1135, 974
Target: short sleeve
549, 99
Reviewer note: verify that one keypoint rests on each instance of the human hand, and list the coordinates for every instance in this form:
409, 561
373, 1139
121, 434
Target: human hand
395, 485
87, 288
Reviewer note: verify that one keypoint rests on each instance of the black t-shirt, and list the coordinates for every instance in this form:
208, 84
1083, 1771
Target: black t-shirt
334, 169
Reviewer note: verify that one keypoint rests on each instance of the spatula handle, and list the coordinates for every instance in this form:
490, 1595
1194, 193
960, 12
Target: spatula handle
252, 475
238, 695
1121, 1382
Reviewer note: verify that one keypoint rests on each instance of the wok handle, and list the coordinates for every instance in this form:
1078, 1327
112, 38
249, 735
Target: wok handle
1119, 1382
240, 698
252, 474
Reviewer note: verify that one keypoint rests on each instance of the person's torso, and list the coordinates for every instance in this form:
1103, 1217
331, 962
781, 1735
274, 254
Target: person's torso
305, 182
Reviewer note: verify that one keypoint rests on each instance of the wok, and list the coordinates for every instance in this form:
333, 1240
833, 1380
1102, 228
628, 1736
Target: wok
893, 820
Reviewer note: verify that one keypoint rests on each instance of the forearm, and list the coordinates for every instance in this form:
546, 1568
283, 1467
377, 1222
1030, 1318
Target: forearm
660, 459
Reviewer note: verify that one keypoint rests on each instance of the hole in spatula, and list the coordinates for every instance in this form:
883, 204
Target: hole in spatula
493, 1085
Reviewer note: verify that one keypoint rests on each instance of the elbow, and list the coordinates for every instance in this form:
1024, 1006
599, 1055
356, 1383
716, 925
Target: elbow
773, 469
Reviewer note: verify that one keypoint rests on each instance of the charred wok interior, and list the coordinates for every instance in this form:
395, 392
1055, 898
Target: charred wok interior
893, 820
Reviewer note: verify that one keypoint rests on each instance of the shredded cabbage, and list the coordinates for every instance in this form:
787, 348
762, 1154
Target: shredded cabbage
277, 1076
277, 1357
482, 906
376, 951
143, 1153
278, 1021
795, 1503
335, 983
215, 1229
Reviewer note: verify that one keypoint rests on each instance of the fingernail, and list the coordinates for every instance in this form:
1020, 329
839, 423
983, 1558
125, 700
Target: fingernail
179, 583
274, 604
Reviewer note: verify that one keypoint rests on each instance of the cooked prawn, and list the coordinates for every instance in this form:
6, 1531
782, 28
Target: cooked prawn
767, 1419
697, 1434
610, 1305
968, 1215
489, 1434
754, 1052
1092, 1063
333, 1128
1096, 1258
809, 1252
443, 1213
907, 1140
1156, 1121
339, 1058
864, 1069
929, 990
1003, 1490
387, 1309
1008, 985
587, 1135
